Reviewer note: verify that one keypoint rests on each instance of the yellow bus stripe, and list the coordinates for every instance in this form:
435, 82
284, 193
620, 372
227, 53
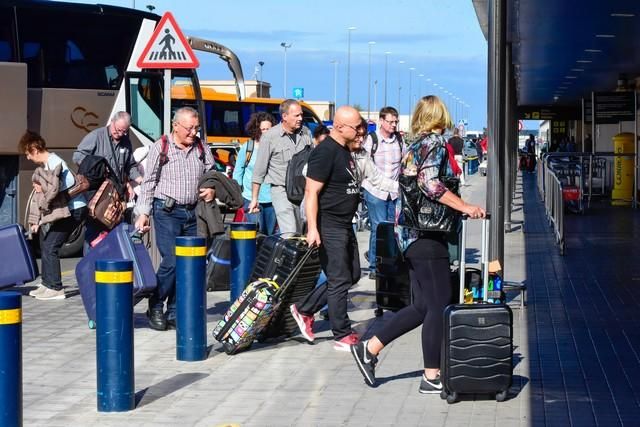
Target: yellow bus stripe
243, 234
191, 250
114, 277
10, 316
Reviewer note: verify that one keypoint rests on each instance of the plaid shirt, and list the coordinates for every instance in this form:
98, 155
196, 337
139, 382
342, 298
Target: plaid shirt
179, 177
387, 159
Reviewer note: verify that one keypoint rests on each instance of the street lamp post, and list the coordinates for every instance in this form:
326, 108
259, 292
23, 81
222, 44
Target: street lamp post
349, 62
386, 66
369, 84
285, 46
260, 63
411, 70
335, 82
375, 95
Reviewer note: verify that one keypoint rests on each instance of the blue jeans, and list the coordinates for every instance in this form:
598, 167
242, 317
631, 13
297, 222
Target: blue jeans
266, 218
379, 211
168, 226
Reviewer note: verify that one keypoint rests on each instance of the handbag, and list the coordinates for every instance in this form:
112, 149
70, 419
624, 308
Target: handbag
107, 205
421, 213
80, 186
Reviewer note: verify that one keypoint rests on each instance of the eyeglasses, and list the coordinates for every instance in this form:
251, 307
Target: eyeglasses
120, 131
392, 122
195, 129
356, 129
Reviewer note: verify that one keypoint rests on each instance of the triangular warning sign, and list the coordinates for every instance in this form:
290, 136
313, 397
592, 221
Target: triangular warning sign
168, 47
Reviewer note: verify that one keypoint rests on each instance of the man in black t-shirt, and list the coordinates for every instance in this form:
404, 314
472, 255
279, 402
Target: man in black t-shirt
332, 194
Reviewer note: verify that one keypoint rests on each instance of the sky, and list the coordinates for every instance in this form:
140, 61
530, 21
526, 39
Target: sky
440, 40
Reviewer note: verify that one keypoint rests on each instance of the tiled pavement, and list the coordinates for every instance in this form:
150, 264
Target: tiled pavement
581, 316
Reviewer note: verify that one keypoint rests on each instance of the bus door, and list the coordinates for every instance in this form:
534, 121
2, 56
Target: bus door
145, 102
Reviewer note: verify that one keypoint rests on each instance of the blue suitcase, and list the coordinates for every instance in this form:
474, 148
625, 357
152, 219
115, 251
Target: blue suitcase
18, 264
118, 244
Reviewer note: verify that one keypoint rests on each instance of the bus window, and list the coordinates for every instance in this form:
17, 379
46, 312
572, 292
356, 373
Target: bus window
146, 104
65, 54
7, 52
309, 119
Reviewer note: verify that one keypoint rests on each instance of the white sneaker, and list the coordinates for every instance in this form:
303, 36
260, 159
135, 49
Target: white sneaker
38, 290
50, 294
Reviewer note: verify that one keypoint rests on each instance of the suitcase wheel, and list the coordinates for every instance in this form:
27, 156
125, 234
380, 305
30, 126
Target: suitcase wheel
452, 398
443, 395
378, 312
502, 396
92, 324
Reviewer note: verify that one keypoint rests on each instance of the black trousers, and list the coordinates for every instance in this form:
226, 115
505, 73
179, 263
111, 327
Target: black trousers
431, 288
341, 263
50, 244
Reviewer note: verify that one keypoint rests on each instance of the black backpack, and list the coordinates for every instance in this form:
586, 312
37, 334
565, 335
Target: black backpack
295, 180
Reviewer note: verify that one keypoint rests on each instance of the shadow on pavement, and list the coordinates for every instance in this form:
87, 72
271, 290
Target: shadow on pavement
166, 387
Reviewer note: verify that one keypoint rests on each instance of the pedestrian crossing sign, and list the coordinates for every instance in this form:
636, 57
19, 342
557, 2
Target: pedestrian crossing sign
168, 47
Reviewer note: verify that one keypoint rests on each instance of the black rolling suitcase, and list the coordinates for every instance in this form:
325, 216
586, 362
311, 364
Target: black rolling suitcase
276, 259
478, 340
393, 286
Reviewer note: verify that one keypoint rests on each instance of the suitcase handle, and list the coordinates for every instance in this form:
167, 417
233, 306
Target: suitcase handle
484, 264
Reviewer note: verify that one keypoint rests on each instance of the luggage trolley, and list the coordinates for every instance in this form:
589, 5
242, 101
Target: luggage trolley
569, 172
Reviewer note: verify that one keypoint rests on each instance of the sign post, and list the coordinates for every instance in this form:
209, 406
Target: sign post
167, 49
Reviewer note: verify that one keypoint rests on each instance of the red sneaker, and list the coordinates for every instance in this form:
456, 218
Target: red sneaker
345, 343
305, 323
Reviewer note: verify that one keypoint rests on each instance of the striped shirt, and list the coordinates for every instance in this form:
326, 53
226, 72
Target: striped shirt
179, 177
387, 159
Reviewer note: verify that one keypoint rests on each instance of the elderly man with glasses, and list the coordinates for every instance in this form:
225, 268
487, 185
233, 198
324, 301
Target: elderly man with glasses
111, 142
335, 171
384, 145
170, 192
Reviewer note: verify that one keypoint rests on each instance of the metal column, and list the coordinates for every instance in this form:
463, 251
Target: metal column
496, 119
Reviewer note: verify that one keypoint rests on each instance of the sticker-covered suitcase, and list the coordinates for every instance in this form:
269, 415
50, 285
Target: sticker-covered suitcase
250, 314
18, 263
120, 243
276, 259
478, 340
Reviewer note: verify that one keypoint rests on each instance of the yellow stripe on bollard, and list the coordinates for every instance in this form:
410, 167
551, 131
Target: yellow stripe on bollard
10, 316
243, 234
191, 250
114, 277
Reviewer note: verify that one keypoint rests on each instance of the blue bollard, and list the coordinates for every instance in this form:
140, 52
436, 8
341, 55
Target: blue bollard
10, 359
191, 299
114, 335
243, 255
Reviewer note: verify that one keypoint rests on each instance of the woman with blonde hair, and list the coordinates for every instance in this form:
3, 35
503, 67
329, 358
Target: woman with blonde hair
425, 161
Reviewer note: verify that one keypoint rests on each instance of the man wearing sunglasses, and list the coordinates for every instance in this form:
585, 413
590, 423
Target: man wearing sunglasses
335, 171
111, 142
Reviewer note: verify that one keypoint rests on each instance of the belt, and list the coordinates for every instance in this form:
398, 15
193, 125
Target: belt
188, 207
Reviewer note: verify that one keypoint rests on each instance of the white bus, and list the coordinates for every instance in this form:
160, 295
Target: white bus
65, 68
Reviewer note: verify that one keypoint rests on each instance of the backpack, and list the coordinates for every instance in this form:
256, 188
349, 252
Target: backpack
295, 181
374, 143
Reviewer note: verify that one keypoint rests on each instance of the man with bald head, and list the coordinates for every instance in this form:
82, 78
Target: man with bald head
332, 192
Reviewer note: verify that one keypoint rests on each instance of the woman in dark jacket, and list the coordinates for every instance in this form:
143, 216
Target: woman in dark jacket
426, 252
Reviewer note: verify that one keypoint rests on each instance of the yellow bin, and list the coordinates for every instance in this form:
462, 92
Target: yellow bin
622, 193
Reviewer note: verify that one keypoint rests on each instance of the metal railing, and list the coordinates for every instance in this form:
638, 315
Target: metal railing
554, 205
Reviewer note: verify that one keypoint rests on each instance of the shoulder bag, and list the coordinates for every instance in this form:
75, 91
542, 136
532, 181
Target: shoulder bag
421, 213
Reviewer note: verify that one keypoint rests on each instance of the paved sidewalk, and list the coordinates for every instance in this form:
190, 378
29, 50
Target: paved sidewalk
274, 384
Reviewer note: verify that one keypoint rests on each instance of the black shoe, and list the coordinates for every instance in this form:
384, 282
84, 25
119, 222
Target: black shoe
428, 386
366, 362
171, 323
372, 275
157, 320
